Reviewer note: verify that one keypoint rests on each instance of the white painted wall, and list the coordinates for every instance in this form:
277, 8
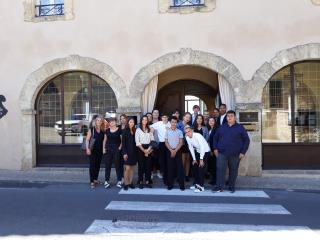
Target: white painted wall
128, 35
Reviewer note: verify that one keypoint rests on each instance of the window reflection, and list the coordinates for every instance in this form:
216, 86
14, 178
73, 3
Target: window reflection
49, 113
76, 105
84, 96
307, 105
276, 112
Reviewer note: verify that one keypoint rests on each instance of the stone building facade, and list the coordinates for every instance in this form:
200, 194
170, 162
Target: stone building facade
127, 45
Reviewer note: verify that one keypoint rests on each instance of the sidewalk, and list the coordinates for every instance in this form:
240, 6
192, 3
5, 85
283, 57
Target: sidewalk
272, 179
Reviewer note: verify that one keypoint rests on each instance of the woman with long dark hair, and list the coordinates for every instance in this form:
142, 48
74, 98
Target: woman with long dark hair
143, 137
130, 153
94, 151
212, 127
200, 127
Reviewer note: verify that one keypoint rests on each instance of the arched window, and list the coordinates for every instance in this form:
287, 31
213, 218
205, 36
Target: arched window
67, 104
291, 105
291, 117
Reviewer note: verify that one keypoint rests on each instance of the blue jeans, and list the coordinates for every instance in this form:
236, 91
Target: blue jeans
222, 163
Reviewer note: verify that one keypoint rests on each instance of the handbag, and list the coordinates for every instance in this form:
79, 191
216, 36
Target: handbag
91, 142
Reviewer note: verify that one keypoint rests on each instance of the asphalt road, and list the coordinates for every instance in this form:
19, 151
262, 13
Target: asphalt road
64, 209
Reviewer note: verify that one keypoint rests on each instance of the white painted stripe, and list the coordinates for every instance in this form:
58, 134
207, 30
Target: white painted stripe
167, 230
197, 207
188, 192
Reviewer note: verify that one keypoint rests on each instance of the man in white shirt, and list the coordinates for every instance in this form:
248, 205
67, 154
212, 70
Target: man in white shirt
200, 152
160, 128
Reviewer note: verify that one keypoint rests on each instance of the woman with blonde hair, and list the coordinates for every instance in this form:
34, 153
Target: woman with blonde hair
94, 149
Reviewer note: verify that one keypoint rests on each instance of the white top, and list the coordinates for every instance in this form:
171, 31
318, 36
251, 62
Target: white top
222, 117
143, 137
161, 129
199, 143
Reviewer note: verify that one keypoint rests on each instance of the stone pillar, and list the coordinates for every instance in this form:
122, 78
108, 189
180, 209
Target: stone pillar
29, 139
249, 115
129, 111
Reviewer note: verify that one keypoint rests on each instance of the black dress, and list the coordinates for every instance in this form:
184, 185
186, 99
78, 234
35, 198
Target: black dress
129, 147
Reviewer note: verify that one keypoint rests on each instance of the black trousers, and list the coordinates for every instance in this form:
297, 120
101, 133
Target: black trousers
144, 165
175, 169
162, 160
112, 156
212, 168
222, 162
95, 162
155, 160
199, 172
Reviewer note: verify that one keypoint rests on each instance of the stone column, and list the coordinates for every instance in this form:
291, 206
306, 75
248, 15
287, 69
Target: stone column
129, 111
251, 165
29, 139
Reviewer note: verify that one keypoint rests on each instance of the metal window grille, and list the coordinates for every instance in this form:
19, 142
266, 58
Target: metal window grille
43, 10
183, 3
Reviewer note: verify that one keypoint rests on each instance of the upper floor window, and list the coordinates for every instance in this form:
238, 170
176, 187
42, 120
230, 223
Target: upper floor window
49, 8
186, 6
183, 3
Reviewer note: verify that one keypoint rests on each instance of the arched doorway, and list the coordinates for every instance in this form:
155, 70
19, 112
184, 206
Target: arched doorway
178, 93
174, 84
291, 117
65, 106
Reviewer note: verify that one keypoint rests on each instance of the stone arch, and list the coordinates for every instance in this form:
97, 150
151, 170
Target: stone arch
186, 56
283, 58
40, 77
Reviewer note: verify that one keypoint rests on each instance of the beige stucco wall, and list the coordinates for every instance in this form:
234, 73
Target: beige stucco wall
128, 36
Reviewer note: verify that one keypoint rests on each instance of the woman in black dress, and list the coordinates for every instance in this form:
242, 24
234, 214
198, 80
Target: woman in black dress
130, 153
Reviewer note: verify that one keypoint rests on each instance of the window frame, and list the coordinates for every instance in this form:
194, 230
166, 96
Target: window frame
168, 6
60, 78
175, 5
59, 7
293, 94
30, 14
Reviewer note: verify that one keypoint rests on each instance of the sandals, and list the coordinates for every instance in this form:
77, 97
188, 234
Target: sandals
97, 182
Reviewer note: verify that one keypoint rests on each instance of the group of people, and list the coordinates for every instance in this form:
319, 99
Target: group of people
197, 146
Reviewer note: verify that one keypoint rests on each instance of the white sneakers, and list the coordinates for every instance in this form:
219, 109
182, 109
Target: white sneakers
119, 184
158, 174
197, 188
106, 184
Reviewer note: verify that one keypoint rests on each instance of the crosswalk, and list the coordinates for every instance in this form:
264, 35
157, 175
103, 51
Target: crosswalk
123, 229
